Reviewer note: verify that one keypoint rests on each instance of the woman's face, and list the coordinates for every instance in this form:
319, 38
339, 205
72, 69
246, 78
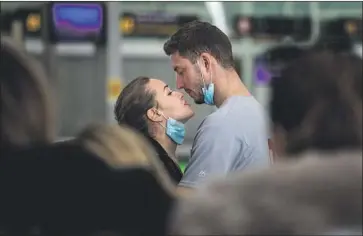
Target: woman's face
170, 103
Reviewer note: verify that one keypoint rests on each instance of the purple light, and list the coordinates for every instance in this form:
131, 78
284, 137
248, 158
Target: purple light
78, 17
262, 75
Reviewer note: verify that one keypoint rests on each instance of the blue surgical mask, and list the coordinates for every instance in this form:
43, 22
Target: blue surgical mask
175, 130
208, 91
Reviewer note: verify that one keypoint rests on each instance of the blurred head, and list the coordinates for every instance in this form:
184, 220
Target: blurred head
317, 104
120, 147
26, 116
198, 52
311, 196
145, 104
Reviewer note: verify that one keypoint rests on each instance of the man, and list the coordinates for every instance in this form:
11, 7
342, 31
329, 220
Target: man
235, 136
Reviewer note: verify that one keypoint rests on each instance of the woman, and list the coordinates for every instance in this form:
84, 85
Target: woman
152, 108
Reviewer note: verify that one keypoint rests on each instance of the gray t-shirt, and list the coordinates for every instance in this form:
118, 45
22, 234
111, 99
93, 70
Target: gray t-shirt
235, 137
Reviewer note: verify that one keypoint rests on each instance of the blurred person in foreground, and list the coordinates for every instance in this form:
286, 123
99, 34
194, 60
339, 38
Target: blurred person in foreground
235, 136
107, 181
310, 196
121, 147
150, 107
91, 184
316, 105
315, 187
27, 118
146, 208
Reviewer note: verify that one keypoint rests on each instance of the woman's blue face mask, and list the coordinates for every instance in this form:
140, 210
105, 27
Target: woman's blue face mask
175, 130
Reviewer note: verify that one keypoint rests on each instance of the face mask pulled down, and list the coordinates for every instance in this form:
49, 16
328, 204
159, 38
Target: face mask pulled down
175, 130
208, 90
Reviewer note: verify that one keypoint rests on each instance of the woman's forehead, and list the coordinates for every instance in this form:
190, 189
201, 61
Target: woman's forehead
157, 84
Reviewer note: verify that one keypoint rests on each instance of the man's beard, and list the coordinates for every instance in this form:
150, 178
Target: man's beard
200, 99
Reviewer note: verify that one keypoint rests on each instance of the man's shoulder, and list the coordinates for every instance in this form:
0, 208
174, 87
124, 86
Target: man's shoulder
213, 121
234, 111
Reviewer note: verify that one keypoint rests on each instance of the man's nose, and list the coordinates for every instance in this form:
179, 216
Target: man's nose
179, 82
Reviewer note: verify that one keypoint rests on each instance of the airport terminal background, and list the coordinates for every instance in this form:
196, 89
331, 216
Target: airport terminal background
92, 49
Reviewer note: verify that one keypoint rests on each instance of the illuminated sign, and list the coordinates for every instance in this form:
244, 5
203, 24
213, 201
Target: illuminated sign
344, 28
127, 25
77, 21
154, 24
33, 22
353, 27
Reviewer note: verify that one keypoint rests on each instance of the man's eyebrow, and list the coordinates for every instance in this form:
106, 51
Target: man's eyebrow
175, 68
166, 86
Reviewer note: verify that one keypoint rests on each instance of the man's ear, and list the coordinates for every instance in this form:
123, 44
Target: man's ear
206, 61
154, 115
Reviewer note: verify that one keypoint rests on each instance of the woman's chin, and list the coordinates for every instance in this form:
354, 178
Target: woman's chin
187, 118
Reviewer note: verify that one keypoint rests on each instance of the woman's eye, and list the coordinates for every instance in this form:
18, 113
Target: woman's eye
170, 92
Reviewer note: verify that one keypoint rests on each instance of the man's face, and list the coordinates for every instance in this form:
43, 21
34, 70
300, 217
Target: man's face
188, 77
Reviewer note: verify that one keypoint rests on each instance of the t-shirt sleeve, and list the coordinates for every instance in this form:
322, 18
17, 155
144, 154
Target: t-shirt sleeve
214, 152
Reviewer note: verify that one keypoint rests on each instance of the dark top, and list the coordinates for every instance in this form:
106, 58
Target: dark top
172, 168
64, 188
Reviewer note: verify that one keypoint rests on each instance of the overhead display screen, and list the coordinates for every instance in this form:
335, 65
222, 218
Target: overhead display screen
77, 22
273, 27
154, 24
348, 27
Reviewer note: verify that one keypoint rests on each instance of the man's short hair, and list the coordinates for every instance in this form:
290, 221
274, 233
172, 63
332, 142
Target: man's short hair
197, 37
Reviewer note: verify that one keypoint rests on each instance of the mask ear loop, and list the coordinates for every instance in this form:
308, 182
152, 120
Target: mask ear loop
211, 77
162, 114
201, 75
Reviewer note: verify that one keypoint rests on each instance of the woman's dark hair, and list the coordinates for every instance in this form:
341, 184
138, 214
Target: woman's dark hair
26, 115
133, 103
318, 101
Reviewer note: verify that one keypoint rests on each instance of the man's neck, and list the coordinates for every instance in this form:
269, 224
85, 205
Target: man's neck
229, 85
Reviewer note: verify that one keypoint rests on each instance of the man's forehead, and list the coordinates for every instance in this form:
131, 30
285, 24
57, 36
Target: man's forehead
177, 60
